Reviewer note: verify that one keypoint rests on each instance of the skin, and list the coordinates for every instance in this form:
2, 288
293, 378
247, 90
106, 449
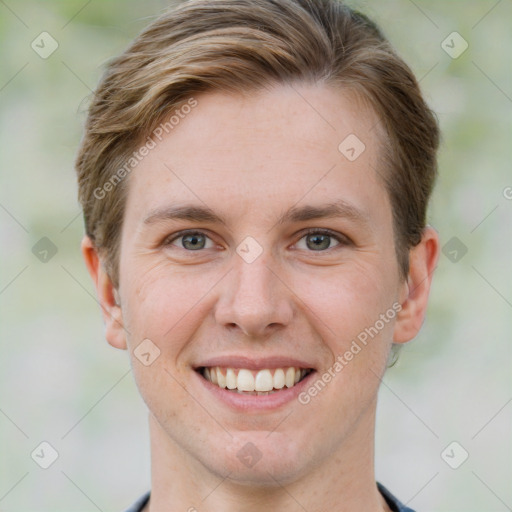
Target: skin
250, 158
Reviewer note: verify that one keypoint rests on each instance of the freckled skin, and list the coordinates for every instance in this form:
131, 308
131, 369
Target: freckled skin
250, 159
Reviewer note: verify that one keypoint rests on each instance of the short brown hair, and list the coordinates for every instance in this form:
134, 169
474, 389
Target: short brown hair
246, 45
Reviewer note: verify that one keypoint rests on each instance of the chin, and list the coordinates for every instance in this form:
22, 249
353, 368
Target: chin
255, 459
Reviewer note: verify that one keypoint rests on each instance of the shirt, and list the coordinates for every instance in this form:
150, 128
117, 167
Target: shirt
394, 504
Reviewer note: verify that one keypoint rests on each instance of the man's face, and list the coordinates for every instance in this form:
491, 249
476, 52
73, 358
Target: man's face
255, 293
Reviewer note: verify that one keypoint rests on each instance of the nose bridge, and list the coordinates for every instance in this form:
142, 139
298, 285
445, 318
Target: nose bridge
254, 298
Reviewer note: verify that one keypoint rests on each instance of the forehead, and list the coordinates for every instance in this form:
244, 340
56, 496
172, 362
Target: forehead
263, 151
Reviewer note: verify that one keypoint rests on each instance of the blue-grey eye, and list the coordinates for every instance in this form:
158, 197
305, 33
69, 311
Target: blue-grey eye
319, 241
193, 241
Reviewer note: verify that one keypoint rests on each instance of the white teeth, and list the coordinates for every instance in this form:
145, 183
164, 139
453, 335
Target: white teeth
221, 379
263, 381
260, 382
279, 379
230, 379
290, 377
245, 381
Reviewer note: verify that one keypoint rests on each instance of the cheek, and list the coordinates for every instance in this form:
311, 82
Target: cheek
343, 301
163, 304
160, 311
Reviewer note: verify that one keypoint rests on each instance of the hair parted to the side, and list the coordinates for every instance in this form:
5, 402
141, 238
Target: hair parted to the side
243, 46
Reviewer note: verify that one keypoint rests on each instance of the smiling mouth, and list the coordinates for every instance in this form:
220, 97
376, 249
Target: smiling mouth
252, 382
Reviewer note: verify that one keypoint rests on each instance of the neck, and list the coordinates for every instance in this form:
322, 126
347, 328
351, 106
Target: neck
343, 483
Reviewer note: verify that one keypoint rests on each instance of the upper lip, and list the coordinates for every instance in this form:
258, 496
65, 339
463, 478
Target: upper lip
254, 363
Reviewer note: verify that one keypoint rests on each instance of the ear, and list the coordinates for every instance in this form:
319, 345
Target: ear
422, 263
108, 296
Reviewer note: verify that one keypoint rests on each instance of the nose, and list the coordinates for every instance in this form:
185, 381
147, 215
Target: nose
254, 299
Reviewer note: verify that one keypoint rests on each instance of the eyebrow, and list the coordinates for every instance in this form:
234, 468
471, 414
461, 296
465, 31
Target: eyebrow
194, 213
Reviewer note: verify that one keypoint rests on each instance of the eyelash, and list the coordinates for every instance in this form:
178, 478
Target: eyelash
341, 239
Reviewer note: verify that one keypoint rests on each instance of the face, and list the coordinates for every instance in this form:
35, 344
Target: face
252, 245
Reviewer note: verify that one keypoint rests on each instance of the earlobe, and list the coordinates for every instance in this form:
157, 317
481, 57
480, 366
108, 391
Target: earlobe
108, 296
422, 263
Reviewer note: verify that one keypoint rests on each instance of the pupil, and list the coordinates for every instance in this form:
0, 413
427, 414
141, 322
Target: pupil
323, 240
194, 241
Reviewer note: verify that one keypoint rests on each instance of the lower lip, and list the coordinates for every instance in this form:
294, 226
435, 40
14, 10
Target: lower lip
246, 402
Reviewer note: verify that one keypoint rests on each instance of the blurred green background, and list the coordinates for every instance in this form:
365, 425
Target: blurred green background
60, 381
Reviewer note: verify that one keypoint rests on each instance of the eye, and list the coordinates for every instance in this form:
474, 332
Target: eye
190, 240
318, 240
321, 239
